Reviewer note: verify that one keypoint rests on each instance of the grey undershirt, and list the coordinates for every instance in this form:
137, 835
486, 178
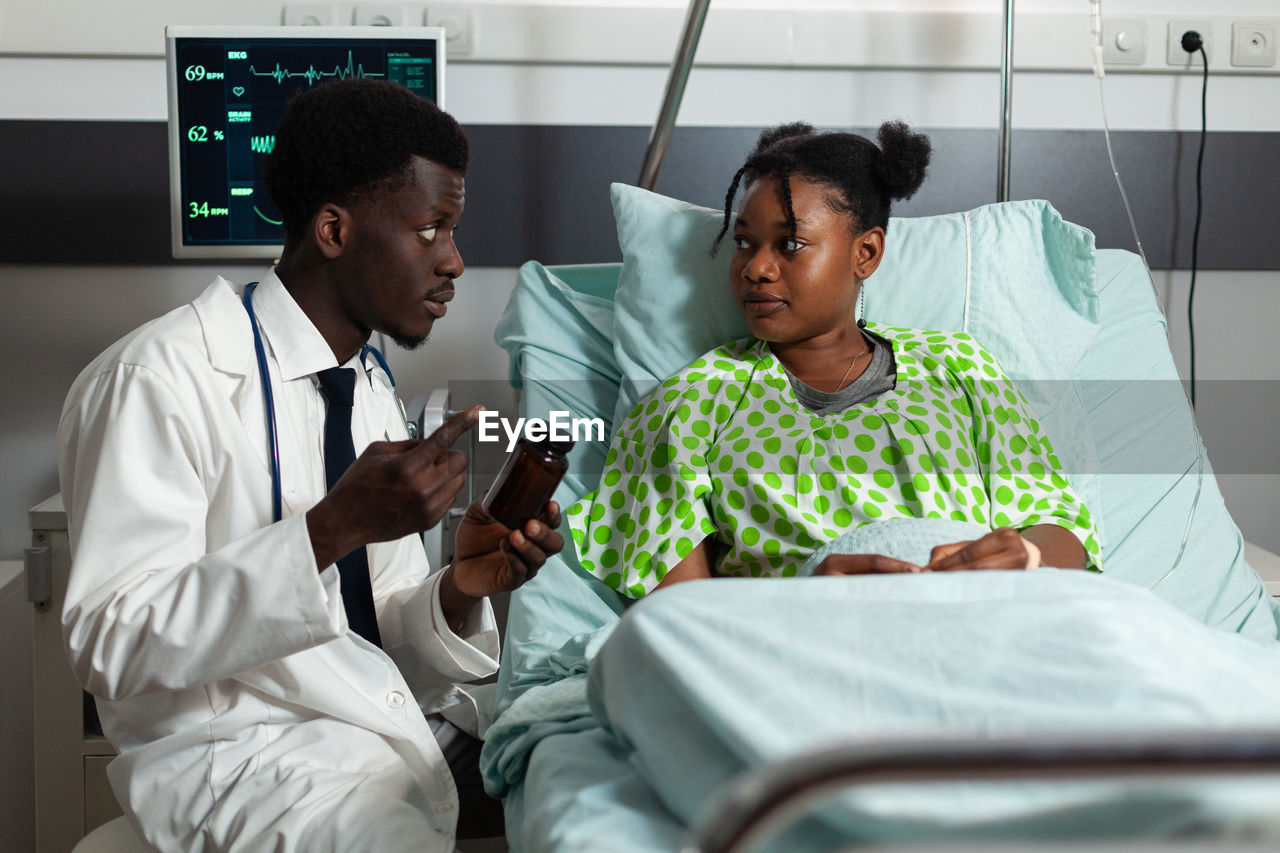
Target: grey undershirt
880, 376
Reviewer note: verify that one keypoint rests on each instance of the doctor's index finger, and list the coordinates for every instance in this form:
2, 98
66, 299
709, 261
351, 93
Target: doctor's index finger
450, 431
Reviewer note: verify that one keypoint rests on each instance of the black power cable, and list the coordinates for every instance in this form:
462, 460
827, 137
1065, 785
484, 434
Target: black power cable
1191, 42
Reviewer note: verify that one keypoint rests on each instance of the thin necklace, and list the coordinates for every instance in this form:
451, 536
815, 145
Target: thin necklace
848, 369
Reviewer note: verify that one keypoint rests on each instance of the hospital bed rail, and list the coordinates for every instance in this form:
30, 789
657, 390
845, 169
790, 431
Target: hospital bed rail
767, 800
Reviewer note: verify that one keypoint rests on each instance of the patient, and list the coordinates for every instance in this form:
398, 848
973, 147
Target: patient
763, 450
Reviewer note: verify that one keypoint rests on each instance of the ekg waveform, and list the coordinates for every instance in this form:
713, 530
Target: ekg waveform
313, 74
262, 144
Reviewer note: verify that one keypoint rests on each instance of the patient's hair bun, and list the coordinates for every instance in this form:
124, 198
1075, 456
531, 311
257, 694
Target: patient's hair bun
864, 177
904, 159
773, 135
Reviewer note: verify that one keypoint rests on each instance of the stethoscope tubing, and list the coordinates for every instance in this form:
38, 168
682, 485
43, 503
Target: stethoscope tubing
268, 398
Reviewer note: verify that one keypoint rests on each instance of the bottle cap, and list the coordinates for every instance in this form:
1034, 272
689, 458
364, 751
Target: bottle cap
547, 445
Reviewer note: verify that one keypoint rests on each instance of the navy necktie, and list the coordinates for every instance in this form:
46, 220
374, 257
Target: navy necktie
339, 385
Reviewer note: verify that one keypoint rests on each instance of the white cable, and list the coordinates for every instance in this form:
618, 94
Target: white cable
968, 270
1124, 197
1095, 29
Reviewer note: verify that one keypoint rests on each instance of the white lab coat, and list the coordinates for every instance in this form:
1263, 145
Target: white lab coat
245, 713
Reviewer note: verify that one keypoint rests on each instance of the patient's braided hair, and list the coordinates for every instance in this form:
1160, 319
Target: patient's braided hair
863, 178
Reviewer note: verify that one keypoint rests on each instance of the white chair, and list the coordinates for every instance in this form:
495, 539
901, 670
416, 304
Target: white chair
114, 836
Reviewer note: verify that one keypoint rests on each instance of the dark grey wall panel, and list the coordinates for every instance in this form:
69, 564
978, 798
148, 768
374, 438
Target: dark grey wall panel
97, 192
1241, 189
84, 192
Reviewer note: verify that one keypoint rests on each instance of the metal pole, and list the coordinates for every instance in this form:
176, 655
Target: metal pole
660, 138
1006, 104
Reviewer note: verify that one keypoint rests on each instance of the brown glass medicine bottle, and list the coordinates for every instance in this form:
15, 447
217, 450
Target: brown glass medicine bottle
527, 481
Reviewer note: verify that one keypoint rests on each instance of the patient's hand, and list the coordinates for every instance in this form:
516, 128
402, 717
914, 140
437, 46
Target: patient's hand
1002, 548
863, 564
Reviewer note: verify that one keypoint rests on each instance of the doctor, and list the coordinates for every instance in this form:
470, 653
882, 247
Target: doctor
259, 676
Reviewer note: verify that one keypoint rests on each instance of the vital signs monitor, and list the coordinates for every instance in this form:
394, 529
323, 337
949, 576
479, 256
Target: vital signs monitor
228, 87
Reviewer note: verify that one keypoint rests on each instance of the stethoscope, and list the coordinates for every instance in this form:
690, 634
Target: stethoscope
277, 503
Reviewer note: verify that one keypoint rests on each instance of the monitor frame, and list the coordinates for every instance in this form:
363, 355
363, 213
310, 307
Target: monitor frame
173, 33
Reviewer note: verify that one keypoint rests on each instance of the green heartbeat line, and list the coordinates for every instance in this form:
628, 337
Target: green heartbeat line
313, 74
262, 144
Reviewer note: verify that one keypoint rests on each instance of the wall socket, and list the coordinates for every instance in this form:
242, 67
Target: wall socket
1124, 41
459, 23
309, 15
380, 15
1176, 55
1253, 43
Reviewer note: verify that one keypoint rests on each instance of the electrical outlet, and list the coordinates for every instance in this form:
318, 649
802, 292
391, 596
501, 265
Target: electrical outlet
1176, 55
1124, 41
380, 15
1253, 43
308, 15
459, 23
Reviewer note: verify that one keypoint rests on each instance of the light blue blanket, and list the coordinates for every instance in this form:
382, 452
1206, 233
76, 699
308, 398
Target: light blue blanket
558, 703
558, 706
702, 682
710, 679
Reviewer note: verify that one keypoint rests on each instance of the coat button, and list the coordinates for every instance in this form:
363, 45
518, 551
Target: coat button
395, 699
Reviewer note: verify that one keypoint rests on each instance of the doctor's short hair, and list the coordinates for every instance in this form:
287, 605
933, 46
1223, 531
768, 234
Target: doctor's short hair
344, 140
863, 178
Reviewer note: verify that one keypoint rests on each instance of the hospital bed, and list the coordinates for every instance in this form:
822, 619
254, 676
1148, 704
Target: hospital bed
605, 740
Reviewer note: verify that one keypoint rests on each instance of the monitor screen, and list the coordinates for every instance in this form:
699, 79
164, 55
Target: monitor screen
228, 87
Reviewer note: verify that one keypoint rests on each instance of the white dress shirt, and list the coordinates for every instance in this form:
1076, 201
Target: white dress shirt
218, 652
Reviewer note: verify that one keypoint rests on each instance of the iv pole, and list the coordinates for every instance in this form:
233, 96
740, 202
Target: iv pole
660, 138
1006, 104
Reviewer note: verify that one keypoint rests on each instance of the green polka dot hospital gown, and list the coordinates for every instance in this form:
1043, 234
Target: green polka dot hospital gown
724, 449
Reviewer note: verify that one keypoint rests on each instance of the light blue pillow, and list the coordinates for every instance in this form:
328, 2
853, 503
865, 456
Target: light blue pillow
1014, 275
557, 328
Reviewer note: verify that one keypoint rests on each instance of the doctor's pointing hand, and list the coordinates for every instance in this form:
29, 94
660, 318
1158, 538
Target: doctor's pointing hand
396, 488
